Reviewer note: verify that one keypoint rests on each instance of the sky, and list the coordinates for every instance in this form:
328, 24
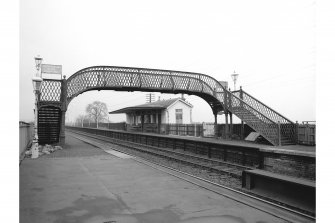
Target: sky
270, 44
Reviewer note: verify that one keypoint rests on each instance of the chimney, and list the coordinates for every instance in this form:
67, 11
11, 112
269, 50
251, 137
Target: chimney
182, 97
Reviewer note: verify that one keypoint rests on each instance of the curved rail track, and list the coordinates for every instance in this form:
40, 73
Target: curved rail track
213, 168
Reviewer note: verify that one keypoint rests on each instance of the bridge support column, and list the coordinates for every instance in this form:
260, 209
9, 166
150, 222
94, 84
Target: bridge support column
242, 130
231, 124
63, 110
226, 125
62, 129
216, 125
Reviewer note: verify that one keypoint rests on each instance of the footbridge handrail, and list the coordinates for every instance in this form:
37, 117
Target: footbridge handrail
263, 108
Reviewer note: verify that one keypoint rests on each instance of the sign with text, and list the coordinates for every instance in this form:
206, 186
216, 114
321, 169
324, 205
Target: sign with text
49, 69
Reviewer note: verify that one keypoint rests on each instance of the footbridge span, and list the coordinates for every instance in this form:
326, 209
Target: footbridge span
56, 95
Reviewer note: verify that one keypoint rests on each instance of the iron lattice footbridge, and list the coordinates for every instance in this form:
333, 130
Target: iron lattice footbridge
55, 96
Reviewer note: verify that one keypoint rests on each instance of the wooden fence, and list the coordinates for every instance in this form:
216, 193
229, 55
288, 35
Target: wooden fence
306, 133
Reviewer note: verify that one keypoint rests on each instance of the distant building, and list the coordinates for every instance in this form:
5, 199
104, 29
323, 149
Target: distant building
149, 117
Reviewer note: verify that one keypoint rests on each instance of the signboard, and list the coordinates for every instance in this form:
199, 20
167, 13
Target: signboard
51, 69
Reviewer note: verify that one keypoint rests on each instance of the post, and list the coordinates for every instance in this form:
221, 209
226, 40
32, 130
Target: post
216, 125
297, 132
231, 123
230, 114
226, 113
159, 117
279, 134
142, 122
63, 110
242, 123
62, 129
37, 82
35, 140
226, 125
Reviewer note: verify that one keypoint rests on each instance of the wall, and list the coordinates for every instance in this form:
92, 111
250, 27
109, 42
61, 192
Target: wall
289, 164
186, 112
26, 137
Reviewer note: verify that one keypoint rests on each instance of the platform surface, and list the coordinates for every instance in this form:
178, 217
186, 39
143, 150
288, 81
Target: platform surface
289, 149
82, 183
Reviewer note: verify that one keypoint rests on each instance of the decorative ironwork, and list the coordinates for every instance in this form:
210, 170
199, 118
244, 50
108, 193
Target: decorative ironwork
51, 90
254, 113
287, 127
125, 78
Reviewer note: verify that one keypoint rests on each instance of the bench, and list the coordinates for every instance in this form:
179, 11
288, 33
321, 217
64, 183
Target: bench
293, 191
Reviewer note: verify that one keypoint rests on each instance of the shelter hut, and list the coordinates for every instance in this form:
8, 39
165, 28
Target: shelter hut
151, 116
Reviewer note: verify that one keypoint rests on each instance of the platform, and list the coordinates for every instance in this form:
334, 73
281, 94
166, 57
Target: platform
289, 149
82, 183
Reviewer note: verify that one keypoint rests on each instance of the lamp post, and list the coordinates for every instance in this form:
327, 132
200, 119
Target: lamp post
234, 77
37, 80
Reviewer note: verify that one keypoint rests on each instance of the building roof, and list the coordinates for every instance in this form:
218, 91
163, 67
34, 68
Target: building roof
157, 105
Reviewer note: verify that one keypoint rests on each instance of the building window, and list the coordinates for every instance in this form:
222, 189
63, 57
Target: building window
179, 116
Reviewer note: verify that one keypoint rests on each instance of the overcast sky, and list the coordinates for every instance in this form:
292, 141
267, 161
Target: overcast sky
271, 44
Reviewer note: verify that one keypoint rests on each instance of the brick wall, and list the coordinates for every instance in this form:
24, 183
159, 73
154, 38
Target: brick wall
292, 165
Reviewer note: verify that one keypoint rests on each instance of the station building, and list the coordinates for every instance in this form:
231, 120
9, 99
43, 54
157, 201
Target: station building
150, 117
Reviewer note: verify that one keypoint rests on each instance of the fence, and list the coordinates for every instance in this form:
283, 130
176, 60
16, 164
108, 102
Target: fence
306, 133
26, 136
182, 129
115, 126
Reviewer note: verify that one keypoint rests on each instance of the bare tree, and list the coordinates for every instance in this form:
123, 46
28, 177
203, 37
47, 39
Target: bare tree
97, 111
80, 120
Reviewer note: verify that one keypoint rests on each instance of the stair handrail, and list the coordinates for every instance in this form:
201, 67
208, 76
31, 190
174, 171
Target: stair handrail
250, 108
286, 120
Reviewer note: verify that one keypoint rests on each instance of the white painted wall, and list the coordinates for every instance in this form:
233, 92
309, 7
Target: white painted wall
128, 118
186, 112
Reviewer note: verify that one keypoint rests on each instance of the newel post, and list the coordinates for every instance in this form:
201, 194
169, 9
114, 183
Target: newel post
279, 134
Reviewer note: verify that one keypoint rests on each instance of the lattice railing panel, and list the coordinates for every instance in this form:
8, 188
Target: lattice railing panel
194, 85
105, 76
166, 82
50, 90
262, 108
287, 127
252, 117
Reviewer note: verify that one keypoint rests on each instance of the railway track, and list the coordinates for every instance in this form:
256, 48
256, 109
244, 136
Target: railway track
215, 166
217, 173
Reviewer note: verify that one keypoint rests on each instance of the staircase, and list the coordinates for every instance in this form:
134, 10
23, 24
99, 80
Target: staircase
273, 126
49, 125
